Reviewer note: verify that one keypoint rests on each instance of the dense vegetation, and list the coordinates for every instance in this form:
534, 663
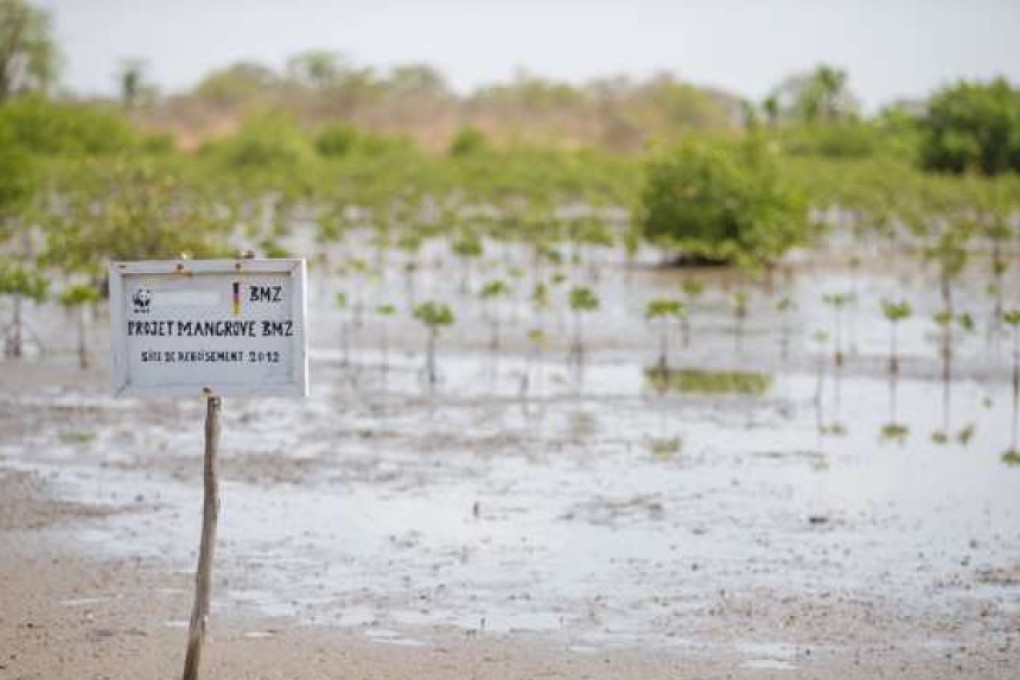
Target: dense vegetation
700, 172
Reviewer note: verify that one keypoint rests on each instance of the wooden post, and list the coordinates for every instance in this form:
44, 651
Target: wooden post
210, 514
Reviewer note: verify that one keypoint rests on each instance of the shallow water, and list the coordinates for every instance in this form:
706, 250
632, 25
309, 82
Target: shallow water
588, 506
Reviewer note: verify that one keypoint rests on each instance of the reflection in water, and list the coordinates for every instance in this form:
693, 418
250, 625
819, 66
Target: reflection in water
534, 366
835, 427
665, 447
696, 381
945, 435
894, 431
785, 307
581, 425
943, 319
1012, 456
664, 444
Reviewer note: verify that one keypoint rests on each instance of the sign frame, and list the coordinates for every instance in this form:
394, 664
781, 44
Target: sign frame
295, 268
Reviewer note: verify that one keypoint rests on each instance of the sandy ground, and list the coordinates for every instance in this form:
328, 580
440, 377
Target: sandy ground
65, 614
68, 617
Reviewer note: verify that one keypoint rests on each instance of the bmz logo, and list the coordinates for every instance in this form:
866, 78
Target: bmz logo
142, 299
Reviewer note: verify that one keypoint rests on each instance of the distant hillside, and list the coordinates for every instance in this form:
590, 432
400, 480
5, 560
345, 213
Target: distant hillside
616, 114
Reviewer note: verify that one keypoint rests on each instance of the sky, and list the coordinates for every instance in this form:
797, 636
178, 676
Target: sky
892, 49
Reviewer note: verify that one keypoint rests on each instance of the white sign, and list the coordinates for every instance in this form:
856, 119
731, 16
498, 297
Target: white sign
230, 327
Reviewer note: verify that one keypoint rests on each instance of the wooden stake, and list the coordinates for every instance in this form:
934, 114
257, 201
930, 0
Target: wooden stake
210, 515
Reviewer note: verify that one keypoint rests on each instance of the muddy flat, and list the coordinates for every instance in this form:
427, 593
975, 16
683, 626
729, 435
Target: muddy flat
763, 513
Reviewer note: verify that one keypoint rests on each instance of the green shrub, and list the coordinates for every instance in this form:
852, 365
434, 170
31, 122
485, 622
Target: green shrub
468, 141
337, 139
722, 203
973, 127
46, 128
266, 144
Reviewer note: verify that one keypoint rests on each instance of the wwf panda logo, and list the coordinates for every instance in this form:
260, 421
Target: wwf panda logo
142, 299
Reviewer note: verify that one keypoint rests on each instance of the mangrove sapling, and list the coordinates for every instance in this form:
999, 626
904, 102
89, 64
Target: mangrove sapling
385, 312
410, 243
893, 431
994, 291
692, 289
82, 299
895, 312
582, 301
944, 320
947, 338
1012, 456
345, 332
591, 235
20, 284
271, 248
535, 362
467, 247
540, 303
838, 301
631, 245
950, 256
786, 306
435, 316
998, 272
545, 253
663, 312
490, 295
855, 269
740, 299
559, 280
997, 201
359, 271
516, 274
821, 338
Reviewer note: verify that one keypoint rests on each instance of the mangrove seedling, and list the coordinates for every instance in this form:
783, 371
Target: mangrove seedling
998, 232
895, 432
385, 312
949, 253
1012, 319
664, 312
966, 322
692, 289
410, 243
490, 295
786, 306
345, 332
895, 312
582, 301
854, 263
20, 284
435, 316
540, 301
740, 299
838, 301
536, 338
820, 338
944, 321
81, 298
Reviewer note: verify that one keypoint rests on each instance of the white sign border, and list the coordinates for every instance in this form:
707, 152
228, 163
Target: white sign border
295, 268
